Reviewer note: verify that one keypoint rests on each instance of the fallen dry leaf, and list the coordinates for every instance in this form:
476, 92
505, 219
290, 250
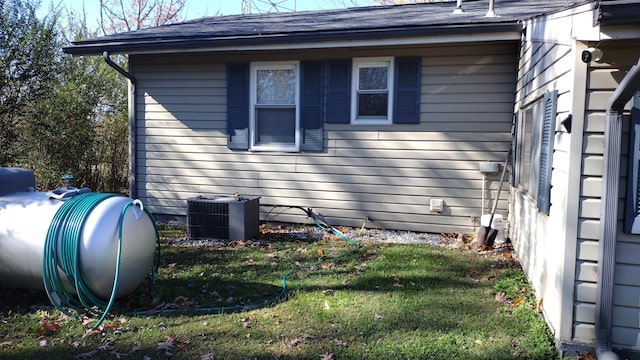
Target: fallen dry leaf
517, 301
117, 355
300, 339
539, 306
209, 356
247, 322
94, 332
339, 342
377, 317
105, 347
86, 355
326, 356
501, 298
166, 346
586, 355
48, 328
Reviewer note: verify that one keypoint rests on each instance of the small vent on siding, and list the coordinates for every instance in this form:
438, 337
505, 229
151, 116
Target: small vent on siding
224, 217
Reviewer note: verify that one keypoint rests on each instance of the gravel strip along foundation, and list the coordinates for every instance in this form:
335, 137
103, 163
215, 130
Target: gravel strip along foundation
310, 231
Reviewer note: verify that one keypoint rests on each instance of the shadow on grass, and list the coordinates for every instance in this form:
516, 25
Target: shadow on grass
22, 301
195, 281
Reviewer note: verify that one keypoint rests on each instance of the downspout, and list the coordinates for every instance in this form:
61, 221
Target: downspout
132, 123
491, 12
458, 9
609, 210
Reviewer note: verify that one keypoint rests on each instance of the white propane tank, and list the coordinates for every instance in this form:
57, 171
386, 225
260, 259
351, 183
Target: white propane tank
25, 219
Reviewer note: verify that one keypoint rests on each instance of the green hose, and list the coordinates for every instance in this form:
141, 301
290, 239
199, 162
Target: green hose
283, 282
330, 229
61, 255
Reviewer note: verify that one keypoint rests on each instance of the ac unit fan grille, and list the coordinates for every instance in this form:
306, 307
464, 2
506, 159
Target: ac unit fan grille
223, 217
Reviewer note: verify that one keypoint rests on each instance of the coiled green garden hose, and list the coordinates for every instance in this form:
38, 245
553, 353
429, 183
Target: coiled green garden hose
61, 255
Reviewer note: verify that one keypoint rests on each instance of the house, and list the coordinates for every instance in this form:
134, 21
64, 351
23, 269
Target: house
574, 192
389, 113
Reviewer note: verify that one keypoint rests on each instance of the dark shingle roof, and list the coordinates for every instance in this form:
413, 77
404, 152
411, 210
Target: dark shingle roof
328, 25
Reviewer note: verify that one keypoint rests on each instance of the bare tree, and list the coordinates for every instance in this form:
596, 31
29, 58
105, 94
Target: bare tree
398, 2
336, 4
129, 15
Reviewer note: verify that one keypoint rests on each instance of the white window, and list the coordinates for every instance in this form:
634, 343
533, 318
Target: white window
274, 115
372, 87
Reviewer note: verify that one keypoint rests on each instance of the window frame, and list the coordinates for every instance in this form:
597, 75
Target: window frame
253, 106
632, 195
360, 62
535, 140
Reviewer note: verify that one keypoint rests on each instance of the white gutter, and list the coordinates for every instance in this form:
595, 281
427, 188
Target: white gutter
609, 210
132, 122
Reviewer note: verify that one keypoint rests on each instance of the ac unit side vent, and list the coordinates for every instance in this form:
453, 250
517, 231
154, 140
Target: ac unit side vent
223, 217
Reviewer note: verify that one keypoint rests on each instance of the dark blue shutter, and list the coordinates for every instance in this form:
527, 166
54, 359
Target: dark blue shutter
238, 106
406, 99
546, 151
339, 92
632, 199
311, 114
514, 148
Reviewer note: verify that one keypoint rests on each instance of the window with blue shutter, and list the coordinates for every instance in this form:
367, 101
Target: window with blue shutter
312, 101
632, 208
325, 91
546, 151
406, 109
238, 106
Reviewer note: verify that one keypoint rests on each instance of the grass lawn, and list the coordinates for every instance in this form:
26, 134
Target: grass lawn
217, 302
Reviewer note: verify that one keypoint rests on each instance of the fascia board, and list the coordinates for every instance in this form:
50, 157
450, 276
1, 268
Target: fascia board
405, 36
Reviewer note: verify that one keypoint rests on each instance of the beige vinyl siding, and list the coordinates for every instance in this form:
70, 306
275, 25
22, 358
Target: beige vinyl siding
544, 67
559, 252
626, 307
386, 173
589, 214
602, 80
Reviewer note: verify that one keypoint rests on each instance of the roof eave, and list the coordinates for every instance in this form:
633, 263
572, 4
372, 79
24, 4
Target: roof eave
365, 37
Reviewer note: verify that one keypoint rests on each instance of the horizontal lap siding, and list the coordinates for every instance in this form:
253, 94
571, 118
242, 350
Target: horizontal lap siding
626, 292
602, 81
589, 212
538, 238
387, 173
